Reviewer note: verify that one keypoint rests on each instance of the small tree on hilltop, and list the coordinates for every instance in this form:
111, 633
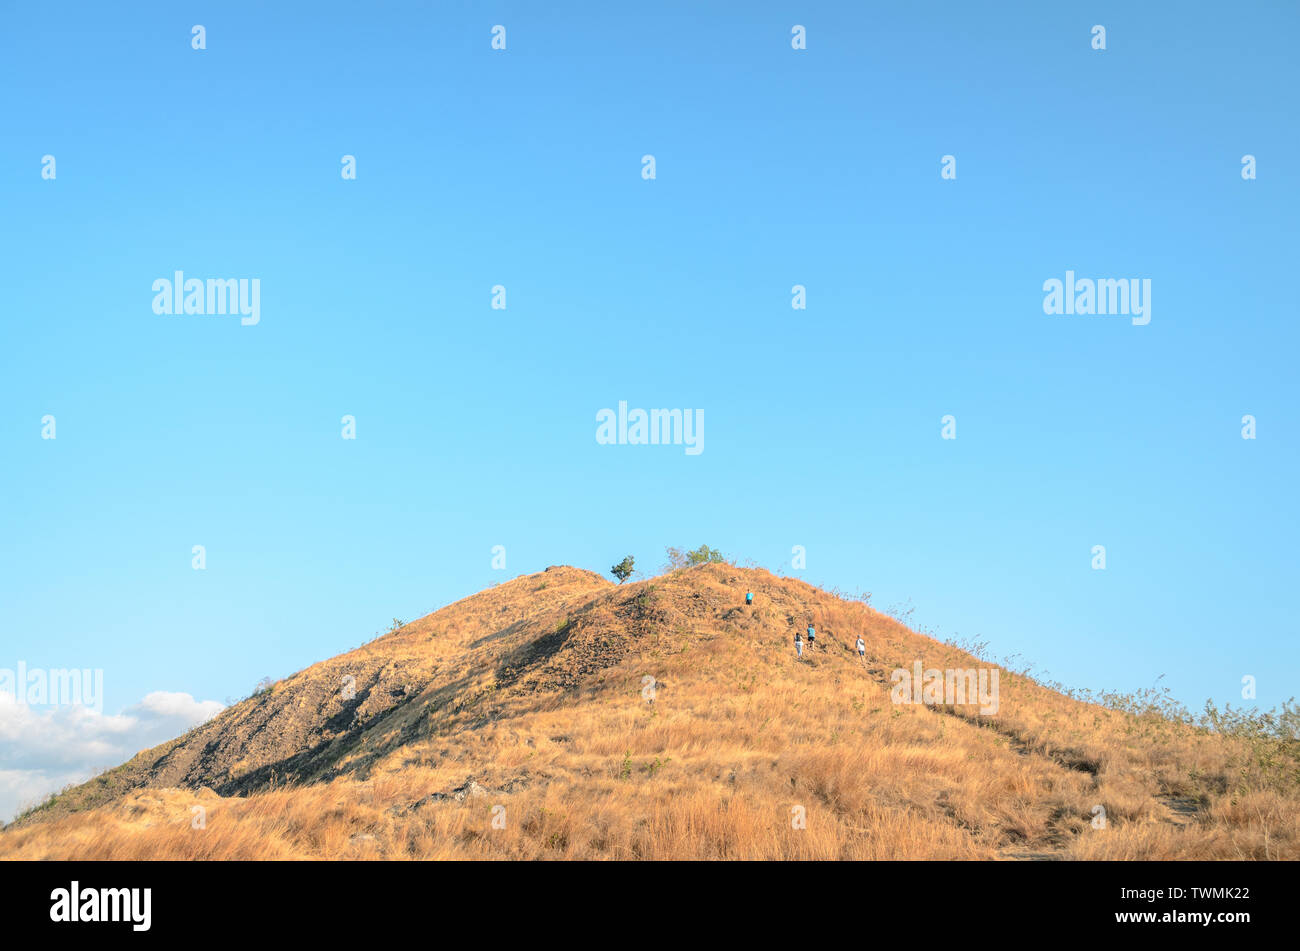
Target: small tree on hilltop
623, 570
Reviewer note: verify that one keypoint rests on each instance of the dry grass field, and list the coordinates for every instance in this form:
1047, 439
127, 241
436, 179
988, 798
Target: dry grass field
516, 724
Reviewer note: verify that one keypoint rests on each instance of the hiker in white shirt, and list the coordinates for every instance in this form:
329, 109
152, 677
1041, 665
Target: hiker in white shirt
862, 648
798, 643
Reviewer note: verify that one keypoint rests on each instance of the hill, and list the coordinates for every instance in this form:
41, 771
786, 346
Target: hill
522, 722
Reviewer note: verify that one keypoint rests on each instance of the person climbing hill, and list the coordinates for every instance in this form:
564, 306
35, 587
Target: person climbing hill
798, 644
862, 649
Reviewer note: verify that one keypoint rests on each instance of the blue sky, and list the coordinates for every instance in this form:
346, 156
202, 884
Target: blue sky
774, 167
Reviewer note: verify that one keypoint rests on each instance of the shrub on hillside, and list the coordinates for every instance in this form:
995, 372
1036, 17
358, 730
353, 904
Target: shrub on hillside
678, 558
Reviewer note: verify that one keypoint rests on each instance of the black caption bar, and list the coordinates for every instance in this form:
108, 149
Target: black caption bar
143, 900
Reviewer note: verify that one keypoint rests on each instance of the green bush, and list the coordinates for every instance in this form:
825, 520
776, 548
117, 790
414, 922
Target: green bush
677, 558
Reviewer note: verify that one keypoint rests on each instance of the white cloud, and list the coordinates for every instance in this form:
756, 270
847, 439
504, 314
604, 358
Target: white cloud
43, 749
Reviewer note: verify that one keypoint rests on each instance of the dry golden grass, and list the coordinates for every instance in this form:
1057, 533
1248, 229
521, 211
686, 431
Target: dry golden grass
740, 739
